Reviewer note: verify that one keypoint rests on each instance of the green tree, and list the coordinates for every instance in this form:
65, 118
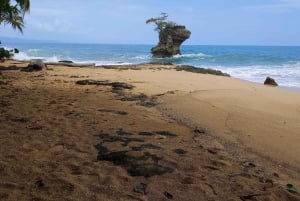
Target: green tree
161, 22
12, 12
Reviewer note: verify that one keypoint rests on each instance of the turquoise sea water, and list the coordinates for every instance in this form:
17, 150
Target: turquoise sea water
251, 63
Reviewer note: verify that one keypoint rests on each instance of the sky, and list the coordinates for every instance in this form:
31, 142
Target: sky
212, 22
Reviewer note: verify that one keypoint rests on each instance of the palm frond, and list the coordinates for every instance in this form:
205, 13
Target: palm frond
14, 14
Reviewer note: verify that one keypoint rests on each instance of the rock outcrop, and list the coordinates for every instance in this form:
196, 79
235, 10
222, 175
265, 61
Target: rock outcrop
35, 65
170, 40
270, 81
201, 70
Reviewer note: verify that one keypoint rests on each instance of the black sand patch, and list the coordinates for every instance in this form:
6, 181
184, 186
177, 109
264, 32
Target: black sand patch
113, 111
13, 67
3, 83
135, 97
145, 146
145, 165
114, 85
166, 133
144, 133
124, 140
180, 151
136, 161
141, 98
121, 132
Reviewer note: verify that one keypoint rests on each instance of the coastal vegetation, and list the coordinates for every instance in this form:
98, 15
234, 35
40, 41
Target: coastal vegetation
12, 13
162, 25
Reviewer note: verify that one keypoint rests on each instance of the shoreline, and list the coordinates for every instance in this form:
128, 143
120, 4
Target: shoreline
193, 106
133, 65
129, 66
296, 89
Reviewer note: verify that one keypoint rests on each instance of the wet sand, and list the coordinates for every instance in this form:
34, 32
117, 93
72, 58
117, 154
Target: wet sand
173, 136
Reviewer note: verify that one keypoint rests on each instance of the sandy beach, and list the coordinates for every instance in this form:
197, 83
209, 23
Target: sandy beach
145, 132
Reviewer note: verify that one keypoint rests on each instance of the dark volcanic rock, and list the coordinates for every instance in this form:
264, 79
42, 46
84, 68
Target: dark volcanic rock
270, 81
35, 65
170, 40
145, 133
13, 67
113, 111
2, 83
92, 82
66, 61
166, 133
201, 70
121, 85
135, 97
114, 85
180, 151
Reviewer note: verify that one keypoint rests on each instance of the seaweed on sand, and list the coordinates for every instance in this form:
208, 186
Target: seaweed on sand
124, 140
145, 165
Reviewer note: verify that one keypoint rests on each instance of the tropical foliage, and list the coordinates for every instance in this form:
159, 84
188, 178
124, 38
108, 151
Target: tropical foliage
5, 54
161, 22
12, 12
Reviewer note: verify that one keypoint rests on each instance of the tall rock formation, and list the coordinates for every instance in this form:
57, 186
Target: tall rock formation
170, 40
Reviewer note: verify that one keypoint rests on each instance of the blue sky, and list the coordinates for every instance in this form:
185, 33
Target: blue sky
212, 22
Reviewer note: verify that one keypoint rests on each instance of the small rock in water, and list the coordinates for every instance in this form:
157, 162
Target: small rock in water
270, 81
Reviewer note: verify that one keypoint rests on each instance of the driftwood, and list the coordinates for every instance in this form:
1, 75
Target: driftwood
70, 64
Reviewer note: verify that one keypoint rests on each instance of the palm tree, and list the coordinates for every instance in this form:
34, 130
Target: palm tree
12, 12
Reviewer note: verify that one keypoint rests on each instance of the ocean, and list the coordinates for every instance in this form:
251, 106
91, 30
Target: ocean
252, 63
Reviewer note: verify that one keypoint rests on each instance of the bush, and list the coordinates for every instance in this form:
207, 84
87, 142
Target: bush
6, 54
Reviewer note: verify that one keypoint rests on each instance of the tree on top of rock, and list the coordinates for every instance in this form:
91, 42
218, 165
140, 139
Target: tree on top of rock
161, 22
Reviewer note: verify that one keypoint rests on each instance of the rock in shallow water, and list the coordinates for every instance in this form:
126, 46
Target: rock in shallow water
170, 40
270, 81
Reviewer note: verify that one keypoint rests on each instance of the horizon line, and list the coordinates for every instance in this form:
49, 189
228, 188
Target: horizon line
103, 43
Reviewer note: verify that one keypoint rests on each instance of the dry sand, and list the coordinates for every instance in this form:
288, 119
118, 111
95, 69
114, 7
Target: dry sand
234, 140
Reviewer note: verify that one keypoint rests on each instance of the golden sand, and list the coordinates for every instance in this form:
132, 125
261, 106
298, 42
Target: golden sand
232, 139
